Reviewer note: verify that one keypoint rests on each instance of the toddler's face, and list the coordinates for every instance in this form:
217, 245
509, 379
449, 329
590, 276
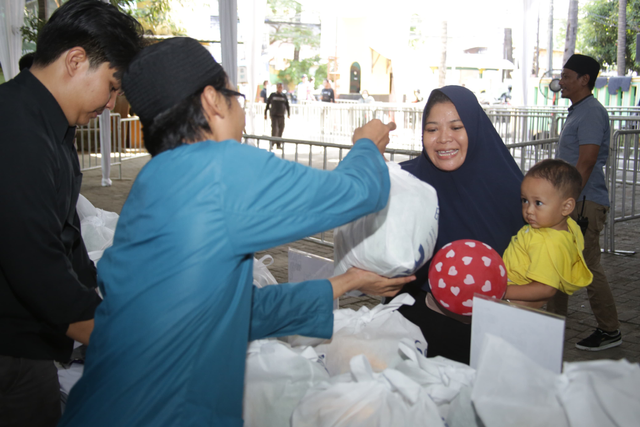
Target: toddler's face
542, 204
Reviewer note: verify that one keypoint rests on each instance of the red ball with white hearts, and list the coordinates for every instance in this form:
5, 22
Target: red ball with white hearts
465, 267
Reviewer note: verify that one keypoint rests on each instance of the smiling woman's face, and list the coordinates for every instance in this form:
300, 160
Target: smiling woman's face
445, 138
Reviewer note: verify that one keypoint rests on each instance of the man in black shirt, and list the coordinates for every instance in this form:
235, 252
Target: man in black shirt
278, 103
327, 92
47, 281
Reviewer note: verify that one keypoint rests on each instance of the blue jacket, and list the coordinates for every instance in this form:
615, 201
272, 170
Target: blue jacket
170, 337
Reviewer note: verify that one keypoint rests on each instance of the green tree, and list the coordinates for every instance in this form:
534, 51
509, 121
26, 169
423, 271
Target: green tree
598, 32
154, 15
284, 17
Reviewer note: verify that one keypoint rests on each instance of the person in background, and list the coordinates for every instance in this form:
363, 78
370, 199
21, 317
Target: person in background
47, 281
584, 142
170, 340
327, 94
278, 104
478, 185
263, 92
546, 254
366, 98
303, 91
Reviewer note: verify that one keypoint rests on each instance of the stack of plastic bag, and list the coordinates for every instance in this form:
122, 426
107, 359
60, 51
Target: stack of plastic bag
441, 378
368, 399
397, 240
375, 333
511, 389
276, 378
97, 226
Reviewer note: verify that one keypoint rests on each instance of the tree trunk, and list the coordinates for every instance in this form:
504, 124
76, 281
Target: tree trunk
507, 51
296, 49
572, 31
622, 40
443, 56
550, 48
42, 10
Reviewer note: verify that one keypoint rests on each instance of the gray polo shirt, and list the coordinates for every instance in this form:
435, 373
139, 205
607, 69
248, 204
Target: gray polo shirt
588, 123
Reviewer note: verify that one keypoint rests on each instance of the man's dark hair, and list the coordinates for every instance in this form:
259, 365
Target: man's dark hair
562, 175
105, 33
184, 122
26, 61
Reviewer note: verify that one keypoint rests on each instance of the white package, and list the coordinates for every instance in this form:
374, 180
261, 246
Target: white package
397, 240
441, 378
261, 275
601, 393
276, 378
366, 399
513, 390
97, 227
374, 333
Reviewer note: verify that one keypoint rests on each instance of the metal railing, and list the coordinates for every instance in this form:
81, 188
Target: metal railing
622, 179
526, 132
621, 170
126, 142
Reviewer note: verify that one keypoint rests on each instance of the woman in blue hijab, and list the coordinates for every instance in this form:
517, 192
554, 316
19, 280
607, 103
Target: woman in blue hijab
478, 185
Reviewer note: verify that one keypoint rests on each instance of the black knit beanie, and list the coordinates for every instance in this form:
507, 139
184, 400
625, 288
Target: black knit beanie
165, 73
583, 64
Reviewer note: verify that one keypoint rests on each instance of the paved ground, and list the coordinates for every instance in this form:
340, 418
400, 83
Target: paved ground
623, 271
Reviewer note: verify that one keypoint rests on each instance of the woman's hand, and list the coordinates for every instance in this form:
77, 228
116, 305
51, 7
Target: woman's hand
368, 283
376, 131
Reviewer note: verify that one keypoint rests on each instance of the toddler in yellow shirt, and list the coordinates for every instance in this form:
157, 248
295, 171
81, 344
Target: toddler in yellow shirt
546, 254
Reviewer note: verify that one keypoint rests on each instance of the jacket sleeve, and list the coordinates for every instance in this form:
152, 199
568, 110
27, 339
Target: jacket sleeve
275, 201
33, 258
268, 104
304, 308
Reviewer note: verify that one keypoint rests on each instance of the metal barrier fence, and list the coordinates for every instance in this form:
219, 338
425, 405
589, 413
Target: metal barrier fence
526, 132
126, 142
621, 170
622, 178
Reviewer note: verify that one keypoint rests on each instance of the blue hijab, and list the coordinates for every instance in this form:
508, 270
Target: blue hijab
481, 199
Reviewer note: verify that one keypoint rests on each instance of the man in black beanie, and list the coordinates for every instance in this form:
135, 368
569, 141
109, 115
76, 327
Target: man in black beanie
584, 142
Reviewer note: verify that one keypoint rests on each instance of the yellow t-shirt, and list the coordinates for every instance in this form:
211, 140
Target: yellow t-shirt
548, 256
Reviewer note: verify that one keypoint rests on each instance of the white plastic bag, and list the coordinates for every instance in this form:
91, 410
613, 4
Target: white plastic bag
397, 240
513, 390
276, 378
366, 399
374, 333
440, 377
601, 393
261, 275
97, 227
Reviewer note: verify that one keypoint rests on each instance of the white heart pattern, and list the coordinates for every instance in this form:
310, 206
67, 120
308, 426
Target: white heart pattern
467, 260
487, 286
468, 303
441, 284
470, 244
448, 244
444, 304
469, 280
451, 254
501, 271
439, 267
486, 260
453, 271
488, 247
455, 290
